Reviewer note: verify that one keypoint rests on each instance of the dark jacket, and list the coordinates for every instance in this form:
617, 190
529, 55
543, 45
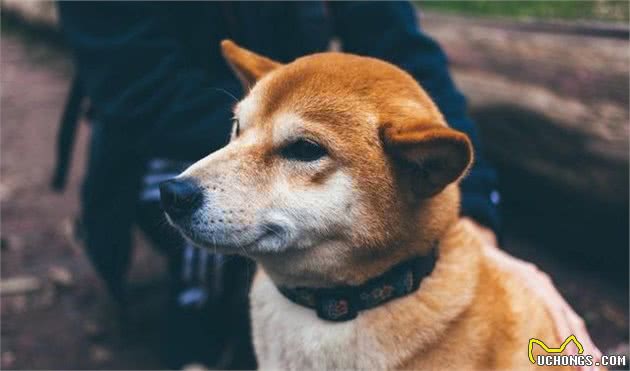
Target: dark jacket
157, 84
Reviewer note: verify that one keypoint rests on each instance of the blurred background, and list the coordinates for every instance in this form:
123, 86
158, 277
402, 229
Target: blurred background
547, 83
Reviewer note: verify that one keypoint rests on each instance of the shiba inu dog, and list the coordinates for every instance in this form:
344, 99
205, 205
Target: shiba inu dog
341, 181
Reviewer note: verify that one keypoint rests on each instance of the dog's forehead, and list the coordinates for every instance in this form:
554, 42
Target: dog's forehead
317, 121
301, 112
341, 94
296, 88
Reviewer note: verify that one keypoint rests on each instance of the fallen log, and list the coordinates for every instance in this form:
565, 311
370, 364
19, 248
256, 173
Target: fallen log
554, 105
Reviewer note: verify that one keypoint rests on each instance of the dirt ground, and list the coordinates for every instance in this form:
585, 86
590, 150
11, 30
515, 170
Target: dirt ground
63, 318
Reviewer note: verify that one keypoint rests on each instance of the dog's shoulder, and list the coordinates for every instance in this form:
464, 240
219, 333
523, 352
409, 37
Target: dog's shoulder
521, 302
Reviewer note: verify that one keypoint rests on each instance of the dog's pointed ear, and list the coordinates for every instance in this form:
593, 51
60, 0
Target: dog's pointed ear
433, 155
248, 66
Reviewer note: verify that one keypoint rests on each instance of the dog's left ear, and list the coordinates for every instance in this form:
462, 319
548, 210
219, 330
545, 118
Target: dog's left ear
434, 155
248, 66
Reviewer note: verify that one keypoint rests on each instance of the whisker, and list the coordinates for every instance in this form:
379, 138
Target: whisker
224, 91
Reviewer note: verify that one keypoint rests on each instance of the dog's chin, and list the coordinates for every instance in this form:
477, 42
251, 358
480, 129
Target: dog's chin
261, 246
265, 241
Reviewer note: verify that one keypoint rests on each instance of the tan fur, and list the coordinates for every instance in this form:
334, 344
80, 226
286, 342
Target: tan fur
385, 191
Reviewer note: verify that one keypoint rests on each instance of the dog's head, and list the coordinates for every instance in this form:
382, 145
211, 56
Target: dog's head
334, 159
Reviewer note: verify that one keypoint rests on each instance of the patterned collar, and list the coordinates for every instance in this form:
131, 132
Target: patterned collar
343, 303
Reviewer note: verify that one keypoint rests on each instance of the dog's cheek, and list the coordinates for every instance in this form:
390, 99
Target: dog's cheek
316, 211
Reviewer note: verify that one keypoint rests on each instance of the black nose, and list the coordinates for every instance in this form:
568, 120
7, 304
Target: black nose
180, 197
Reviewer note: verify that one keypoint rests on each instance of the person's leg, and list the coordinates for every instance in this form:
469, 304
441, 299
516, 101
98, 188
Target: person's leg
108, 196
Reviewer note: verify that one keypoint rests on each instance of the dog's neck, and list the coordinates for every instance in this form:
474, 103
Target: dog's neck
323, 267
343, 303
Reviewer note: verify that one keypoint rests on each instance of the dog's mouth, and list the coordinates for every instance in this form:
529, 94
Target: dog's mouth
245, 240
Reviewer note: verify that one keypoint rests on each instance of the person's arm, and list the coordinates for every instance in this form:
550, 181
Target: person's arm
140, 84
390, 31
148, 101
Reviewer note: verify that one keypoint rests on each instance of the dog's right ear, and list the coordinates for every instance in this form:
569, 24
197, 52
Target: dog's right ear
434, 155
248, 66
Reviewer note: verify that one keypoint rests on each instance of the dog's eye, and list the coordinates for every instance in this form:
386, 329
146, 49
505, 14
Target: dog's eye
303, 150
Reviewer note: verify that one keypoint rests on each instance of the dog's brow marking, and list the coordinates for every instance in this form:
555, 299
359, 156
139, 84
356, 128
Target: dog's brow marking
246, 110
286, 125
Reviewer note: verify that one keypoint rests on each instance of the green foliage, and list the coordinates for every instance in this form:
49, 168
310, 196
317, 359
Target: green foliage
600, 10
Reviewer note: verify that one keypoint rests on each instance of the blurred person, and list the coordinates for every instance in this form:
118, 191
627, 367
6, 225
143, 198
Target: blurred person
161, 98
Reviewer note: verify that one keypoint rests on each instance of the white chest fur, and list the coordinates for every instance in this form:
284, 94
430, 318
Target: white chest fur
289, 336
